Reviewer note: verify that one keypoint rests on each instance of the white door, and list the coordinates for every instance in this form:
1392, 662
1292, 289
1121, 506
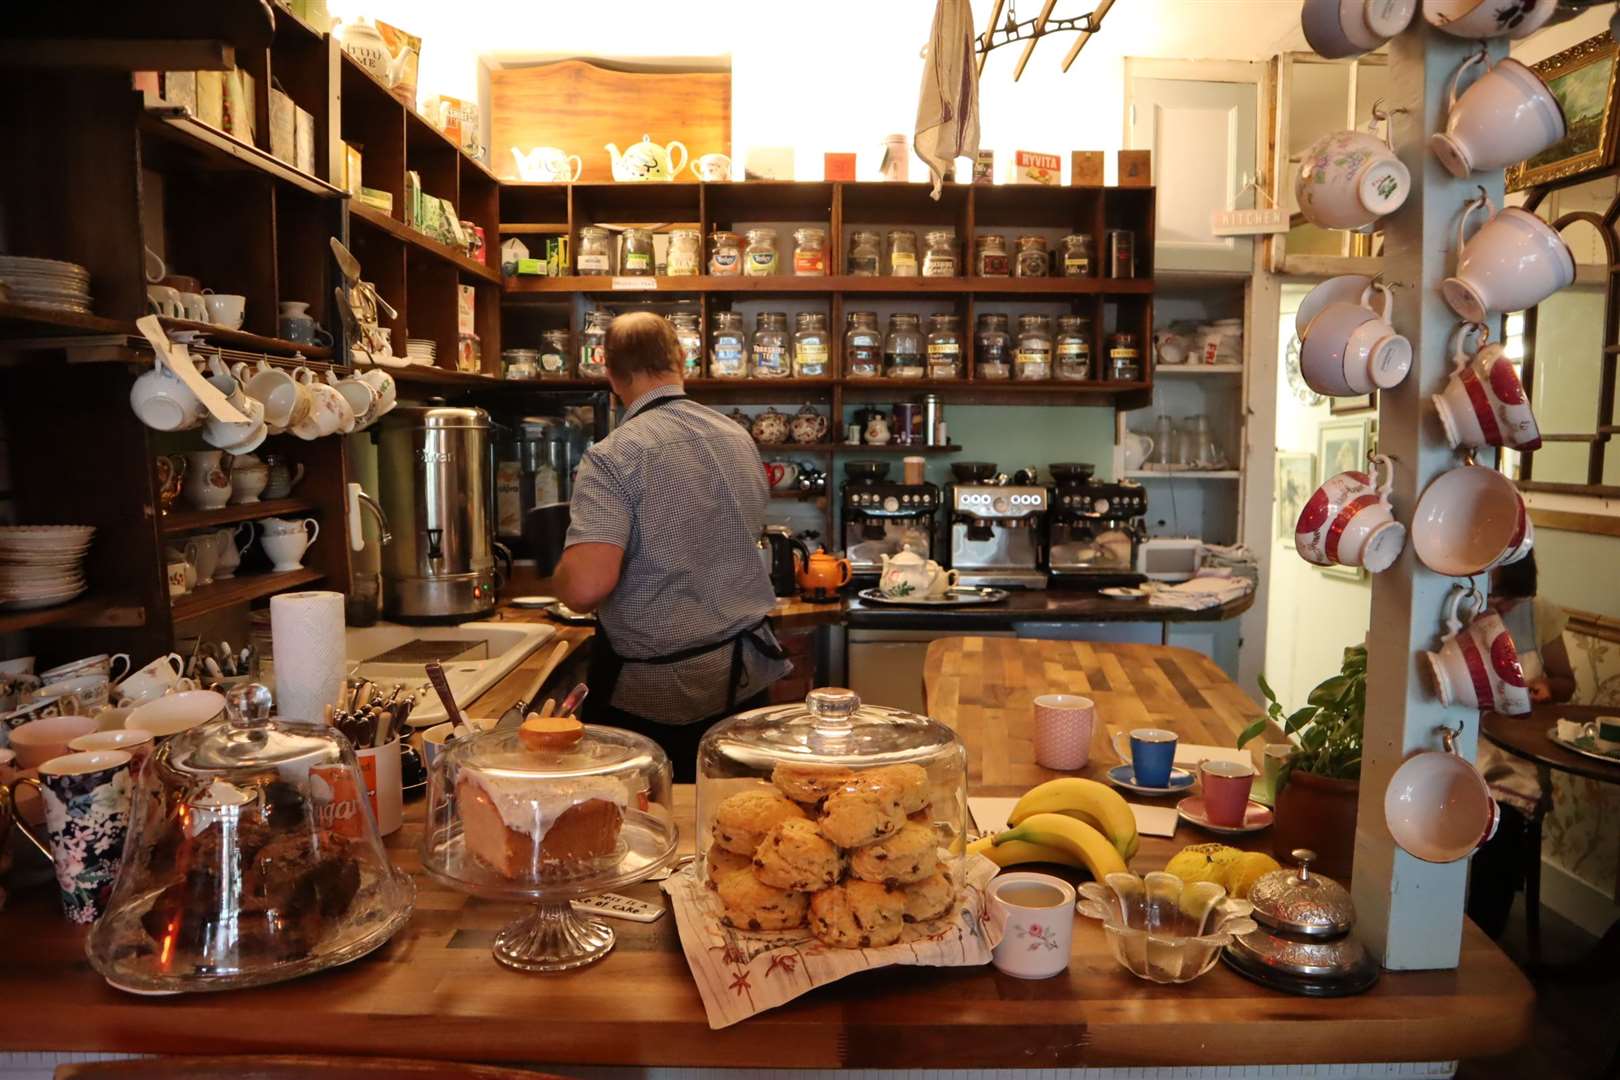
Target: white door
1202, 134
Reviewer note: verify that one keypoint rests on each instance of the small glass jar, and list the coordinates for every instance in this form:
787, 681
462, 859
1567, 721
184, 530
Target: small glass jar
595, 251
685, 258
944, 347
769, 357
865, 253
1121, 253
810, 252
990, 257
902, 253
1033, 358
1077, 256
863, 346
725, 254
1072, 348
939, 258
637, 256
759, 257
992, 348
556, 355
593, 345
728, 346
1033, 259
812, 345
691, 339
903, 353
1124, 358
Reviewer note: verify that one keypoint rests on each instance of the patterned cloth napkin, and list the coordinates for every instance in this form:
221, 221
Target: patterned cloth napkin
740, 973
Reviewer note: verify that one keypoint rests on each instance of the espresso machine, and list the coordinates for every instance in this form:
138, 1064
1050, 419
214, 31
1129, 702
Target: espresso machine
997, 530
882, 518
1094, 529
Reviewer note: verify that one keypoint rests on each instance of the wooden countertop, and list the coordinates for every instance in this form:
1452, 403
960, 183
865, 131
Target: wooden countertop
1034, 605
435, 991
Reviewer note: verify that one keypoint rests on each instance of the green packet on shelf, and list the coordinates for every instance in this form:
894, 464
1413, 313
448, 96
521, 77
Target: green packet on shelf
532, 266
381, 200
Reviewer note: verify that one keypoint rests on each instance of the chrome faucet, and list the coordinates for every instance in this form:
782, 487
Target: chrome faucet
383, 535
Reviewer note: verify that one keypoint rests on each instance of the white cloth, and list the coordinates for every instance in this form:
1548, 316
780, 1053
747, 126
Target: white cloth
948, 106
1200, 593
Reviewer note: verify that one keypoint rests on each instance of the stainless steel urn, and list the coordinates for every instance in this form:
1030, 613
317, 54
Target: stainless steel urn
435, 472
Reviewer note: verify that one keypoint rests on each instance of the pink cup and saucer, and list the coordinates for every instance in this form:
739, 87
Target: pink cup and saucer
1225, 806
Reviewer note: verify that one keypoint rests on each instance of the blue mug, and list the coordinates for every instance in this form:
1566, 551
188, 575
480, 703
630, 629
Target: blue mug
1152, 756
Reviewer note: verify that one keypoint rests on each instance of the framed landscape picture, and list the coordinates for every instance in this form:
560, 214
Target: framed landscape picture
1357, 403
1296, 479
1582, 78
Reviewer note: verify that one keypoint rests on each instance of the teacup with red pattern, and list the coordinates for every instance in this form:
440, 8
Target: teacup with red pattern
1484, 403
1477, 664
1349, 521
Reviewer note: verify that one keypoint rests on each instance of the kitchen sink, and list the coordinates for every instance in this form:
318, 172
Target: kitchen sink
475, 657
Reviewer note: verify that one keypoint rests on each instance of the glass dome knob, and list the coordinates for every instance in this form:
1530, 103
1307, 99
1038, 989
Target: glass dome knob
832, 707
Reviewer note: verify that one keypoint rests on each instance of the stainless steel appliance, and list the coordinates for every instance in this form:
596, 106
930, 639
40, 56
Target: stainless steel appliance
998, 534
537, 459
1094, 532
435, 472
881, 518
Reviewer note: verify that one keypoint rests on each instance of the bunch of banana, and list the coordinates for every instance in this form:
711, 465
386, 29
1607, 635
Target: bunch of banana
1052, 838
1098, 805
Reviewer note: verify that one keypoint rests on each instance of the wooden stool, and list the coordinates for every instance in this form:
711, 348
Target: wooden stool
288, 1067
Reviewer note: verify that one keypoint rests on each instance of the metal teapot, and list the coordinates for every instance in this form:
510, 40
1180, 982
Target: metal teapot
647, 160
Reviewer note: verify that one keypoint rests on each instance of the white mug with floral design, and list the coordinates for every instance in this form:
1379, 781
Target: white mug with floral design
1035, 914
1350, 179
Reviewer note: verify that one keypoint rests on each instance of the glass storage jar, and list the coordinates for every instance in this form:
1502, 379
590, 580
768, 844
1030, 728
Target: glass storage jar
1033, 259
992, 348
863, 346
810, 252
728, 346
903, 347
520, 364
691, 339
595, 254
811, 345
725, 254
769, 356
637, 257
944, 347
759, 257
1077, 256
556, 354
855, 772
991, 256
1072, 348
1124, 358
685, 258
1121, 253
939, 258
593, 345
865, 253
902, 253
1033, 359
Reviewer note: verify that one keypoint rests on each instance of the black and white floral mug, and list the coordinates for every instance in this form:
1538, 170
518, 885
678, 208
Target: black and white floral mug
87, 798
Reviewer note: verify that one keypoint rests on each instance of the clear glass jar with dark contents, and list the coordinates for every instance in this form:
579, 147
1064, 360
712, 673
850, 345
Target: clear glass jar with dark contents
903, 348
1124, 358
865, 258
637, 257
1033, 258
1072, 348
728, 346
811, 345
593, 345
863, 346
990, 256
556, 354
769, 359
691, 339
992, 348
944, 347
1077, 256
1033, 359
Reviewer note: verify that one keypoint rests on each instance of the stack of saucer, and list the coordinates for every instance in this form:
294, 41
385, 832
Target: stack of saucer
42, 565
47, 283
421, 350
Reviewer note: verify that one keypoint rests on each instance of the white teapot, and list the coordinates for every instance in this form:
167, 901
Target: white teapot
908, 574
647, 160
547, 164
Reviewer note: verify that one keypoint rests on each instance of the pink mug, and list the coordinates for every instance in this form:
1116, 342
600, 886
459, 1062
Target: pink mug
1226, 787
1063, 726
1477, 664
1349, 522
1484, 403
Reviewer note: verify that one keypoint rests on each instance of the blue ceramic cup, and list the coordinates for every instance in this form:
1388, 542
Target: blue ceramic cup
1153, 753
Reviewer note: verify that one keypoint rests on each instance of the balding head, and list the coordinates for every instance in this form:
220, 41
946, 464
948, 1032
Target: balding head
640, 345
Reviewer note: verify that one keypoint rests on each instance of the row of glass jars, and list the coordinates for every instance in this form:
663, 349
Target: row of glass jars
770, 352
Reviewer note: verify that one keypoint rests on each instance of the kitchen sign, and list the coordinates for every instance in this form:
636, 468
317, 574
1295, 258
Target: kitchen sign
1256, 222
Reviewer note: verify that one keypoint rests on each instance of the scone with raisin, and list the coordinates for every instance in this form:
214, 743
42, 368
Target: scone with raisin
750, 904
809, 783
929, 898
794, 855
719, 862
743, 819
857, 915
909, 855
861, 813
910, 783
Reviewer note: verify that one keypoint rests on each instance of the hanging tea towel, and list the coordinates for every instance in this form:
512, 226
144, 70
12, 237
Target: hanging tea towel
948, 108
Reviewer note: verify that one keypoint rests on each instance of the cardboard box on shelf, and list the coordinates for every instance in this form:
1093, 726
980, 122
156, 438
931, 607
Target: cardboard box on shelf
1135, 168
984, 167
838, 166
211, 98
1032, 167
1086, 168
466, 304
352, 172
282, 125
558, 262
377, 200
180, 88
304, 140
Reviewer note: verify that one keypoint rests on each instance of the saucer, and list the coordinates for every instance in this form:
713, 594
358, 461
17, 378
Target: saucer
1256, 818
532, 601
1123, 776
1123, 593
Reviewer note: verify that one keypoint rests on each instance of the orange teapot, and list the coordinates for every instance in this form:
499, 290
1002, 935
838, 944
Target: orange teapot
823, 575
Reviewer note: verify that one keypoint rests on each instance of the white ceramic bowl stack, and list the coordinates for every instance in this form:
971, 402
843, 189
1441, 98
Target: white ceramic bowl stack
421, 351
42, 565
46, 283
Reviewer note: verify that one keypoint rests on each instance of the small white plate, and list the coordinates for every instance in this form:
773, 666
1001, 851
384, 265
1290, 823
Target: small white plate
1255, 818
1123, 776
532, 601
1119, 592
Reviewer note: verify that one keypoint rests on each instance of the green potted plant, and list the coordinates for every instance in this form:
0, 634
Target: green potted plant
1318, 784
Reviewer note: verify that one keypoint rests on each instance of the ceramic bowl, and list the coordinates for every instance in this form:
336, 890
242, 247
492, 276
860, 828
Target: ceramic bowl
1469, 520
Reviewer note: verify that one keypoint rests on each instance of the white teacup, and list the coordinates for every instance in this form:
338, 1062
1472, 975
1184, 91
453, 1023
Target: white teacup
91, 690
137, 744
163, 403
1349, 522
225, 309
115, 667
1337, 29
1508, 115
1477, 665
1344, 289
328, 411
1035, 913
1350, 179
164, 301
193, 305
1484, 403
387, 392
1469, 520
286, 400
1514, 262
1438, 807
358, 394
712, 168
1350, 349
174, 713
249, 478
286, 549
1488, 19
151, 681
232, 435
203, 553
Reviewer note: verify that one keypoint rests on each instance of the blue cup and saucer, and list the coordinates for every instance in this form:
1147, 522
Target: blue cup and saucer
1151, 769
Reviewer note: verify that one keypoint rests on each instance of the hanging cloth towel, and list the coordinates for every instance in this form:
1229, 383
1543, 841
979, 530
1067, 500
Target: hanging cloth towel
948, 107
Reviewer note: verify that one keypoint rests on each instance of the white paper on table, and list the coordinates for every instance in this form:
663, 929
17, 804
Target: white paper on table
1188, 755
1154, 820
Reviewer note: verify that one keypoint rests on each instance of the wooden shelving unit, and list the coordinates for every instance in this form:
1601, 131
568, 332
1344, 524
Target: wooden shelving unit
90, 610
177, 522
239, 590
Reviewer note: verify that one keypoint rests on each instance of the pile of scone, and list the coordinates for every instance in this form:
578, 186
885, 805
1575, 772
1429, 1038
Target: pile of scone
854, 853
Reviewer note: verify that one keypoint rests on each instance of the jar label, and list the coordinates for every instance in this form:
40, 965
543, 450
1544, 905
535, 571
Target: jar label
592, 360
1073, 350
811, 355
939, 266
1121, 354
770, 359
552, 362
902, 264
809, 263
943, 348
1076, 265
724, 263
863, 265
992, 265
760, 264
683, 265
1032, 264
593, 264
727, 359
637, 261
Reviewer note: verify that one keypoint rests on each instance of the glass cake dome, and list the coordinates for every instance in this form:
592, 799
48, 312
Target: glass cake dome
252, 857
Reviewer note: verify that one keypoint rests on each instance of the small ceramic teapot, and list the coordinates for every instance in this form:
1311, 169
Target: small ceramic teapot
877, 430
908, 574
547, 164
646, 160
809, 426
823, 575
770, 427
741, 418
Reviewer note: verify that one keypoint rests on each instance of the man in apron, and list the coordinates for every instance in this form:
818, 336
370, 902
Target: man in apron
663, 545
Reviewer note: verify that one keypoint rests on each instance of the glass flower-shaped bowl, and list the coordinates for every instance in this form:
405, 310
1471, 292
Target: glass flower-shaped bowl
1161, 928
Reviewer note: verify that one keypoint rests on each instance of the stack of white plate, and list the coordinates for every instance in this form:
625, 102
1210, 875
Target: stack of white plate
421, 350
42, 565
46, 283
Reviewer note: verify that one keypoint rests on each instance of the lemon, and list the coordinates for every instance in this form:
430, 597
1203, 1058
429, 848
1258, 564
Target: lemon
1203, 862
1245, 870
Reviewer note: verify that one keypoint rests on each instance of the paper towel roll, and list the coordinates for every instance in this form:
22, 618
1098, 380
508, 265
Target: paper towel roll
306, 632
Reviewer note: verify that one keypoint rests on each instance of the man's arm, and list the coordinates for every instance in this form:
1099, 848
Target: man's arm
587, 574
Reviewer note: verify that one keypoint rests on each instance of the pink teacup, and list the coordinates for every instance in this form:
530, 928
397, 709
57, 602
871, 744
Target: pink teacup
40, 740
1348, 522
1438, 807
1063, 726
1226, 787
1470, 520
1477, 664
1484, 403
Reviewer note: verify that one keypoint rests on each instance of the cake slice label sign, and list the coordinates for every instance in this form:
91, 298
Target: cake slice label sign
337, 800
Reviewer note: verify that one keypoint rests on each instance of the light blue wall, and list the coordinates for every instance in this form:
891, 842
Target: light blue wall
1014, 437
